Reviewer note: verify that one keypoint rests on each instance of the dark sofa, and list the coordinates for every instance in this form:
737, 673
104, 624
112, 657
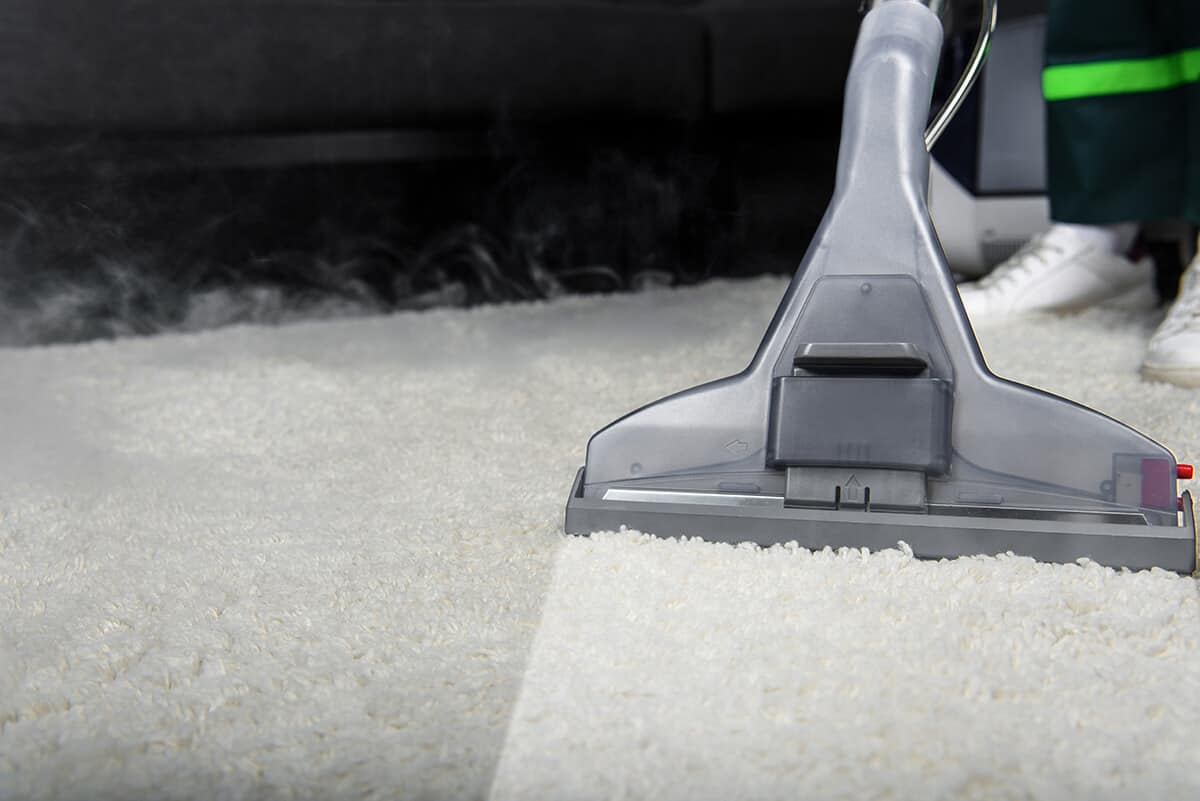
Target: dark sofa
233, 66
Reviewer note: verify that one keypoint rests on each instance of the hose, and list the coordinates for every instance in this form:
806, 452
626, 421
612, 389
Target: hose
987, 24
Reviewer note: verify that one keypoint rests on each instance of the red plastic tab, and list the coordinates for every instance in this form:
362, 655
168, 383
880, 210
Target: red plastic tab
1184, 471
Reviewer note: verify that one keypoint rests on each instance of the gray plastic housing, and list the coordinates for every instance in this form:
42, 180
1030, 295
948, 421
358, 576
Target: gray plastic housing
869, 363
865, 430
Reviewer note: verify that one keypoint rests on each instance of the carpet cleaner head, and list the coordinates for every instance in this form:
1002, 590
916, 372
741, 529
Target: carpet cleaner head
868, 416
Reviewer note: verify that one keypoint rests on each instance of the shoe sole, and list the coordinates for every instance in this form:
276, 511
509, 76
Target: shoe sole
1179, 376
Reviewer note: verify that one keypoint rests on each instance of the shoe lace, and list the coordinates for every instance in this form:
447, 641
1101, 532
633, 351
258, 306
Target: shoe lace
1029, 257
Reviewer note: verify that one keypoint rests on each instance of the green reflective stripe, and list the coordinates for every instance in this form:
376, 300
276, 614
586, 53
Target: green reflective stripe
1072, 81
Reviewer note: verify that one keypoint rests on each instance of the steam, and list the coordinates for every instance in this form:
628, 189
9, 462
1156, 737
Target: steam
115, 255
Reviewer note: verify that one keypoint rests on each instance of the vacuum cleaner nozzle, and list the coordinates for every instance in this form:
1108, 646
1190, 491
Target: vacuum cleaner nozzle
867, 415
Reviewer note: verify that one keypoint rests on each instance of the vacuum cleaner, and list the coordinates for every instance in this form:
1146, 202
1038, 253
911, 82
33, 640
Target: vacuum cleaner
868, 416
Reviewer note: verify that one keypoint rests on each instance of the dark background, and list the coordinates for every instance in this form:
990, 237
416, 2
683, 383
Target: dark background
193, 163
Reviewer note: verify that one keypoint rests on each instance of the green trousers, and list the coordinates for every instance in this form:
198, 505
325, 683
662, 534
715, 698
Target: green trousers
1122, 88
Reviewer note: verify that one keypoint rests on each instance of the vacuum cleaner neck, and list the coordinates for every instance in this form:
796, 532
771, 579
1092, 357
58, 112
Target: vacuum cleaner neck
987, 25
888, 93
938, 7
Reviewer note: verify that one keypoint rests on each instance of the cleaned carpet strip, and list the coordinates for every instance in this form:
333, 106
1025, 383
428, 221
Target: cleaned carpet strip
680, 670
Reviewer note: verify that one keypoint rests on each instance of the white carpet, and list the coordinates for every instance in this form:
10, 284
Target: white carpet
311, 562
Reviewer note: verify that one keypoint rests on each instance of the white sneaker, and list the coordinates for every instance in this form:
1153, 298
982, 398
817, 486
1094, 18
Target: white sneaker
1060, 271
1174, 351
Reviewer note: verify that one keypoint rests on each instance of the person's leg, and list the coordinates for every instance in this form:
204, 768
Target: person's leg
1112, 162
1116, 126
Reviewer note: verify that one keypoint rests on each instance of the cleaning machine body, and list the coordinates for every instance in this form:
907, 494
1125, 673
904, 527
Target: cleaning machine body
868, 416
